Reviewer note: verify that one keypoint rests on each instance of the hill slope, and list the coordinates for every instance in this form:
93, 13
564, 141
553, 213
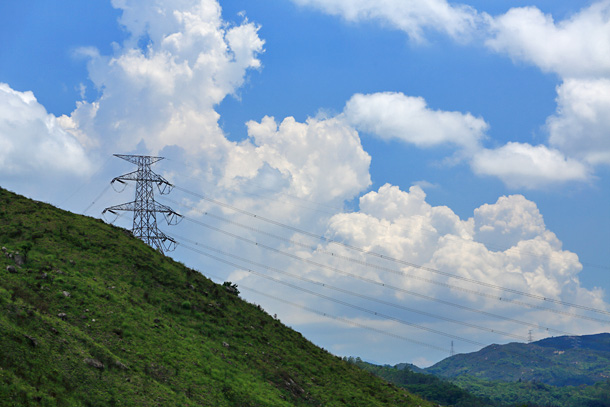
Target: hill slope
91, 316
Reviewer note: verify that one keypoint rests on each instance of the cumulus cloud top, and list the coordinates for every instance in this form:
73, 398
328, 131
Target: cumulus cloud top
505, 243
162, 85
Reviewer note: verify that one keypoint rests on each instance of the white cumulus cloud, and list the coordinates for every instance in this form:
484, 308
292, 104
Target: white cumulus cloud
414, 17
393, 115
162, 85
581, 125
32, 143
521, 165
320, 160
578, 50
576, 47
504, 244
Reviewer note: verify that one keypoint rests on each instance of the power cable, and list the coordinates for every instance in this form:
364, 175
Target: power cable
96, 199
325, 285
344, 303
363, 263
459, 306
327, 315
345, 321
334, 269
363, 326
399, 261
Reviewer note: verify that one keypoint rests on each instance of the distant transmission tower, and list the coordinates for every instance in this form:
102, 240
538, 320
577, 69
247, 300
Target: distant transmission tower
144, 207
452, 350
530, 339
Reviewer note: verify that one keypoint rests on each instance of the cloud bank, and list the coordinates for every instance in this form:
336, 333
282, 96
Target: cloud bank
32, 142
577, 49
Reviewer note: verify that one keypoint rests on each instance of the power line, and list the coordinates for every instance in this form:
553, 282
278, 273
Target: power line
337, 270
293, 197
344, 303
406, 263
96, 199
454, 305
326, 285
350, 322
345, 321
375, 266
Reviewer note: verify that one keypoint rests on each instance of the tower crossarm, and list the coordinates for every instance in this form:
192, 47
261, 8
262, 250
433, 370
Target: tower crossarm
139, 159
130, 206
142, 177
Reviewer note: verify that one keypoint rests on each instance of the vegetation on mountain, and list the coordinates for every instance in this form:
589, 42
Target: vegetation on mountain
469, 391
90, 316
566, 371
536, 393
562, 361
426, 386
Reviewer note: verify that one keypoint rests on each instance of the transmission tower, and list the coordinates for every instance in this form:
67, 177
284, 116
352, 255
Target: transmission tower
144, 207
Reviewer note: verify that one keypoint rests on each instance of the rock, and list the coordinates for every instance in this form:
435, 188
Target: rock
32, 340
94, 363
62, 315
226, 345
19, 259
11, 269
66, 294
43, 276
55, 331
4, 249
120, 365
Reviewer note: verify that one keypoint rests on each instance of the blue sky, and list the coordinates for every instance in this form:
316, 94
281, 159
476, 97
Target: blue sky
469, 138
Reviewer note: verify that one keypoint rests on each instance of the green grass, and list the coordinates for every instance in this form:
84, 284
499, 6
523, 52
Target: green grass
89, 293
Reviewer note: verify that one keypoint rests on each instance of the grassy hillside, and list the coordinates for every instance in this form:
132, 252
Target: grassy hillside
91, 316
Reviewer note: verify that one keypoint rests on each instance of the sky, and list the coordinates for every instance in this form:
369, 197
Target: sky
390, 178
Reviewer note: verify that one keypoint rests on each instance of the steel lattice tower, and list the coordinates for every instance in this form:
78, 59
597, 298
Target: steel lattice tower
144, 207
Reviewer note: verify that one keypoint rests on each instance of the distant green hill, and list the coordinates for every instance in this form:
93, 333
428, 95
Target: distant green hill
561, 361
90, 316
566, 371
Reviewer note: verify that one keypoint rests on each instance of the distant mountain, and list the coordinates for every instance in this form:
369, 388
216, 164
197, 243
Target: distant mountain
561, 361
566, 371
409, 366
599, 342
91, 316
